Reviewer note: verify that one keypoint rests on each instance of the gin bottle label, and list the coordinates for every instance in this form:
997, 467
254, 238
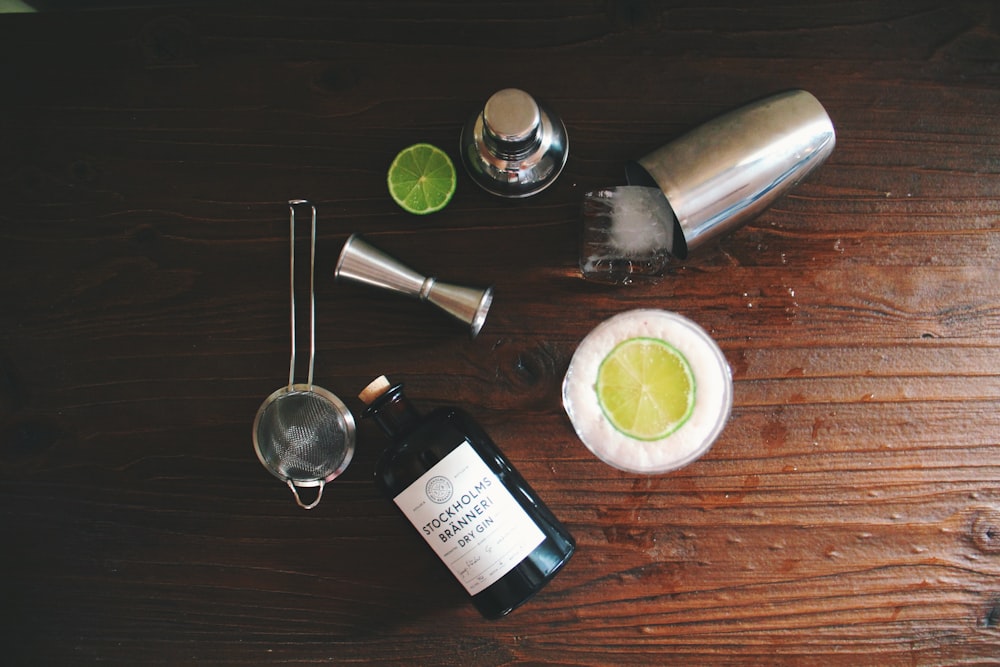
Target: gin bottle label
470, 519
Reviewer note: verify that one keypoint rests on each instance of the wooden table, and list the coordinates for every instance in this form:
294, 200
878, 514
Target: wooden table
848, 514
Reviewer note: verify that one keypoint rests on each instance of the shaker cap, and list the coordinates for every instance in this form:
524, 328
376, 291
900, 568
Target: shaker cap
514, 147
511, 116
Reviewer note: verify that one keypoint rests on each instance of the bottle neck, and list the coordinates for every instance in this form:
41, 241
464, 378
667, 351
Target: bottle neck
393, 412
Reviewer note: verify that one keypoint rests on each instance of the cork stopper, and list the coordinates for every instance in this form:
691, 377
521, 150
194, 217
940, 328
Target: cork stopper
375, 388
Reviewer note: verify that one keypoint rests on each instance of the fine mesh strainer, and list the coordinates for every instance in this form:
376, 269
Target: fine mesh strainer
303, 434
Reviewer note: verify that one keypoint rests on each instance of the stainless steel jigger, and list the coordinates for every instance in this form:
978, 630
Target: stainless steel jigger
364, 263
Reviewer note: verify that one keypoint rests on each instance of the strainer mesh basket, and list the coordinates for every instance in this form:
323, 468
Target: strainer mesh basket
302, 436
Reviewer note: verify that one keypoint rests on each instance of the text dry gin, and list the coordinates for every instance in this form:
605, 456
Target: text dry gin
467, 501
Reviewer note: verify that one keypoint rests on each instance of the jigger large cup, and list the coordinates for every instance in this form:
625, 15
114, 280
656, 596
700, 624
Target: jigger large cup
362, 262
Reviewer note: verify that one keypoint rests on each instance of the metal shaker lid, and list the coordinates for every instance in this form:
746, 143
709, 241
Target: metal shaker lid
726, 172
514, 147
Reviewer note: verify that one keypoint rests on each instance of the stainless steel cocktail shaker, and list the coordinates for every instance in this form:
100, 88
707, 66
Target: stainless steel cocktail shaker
713, 179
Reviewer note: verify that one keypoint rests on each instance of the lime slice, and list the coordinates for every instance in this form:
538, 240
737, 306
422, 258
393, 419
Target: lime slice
421, 179
645, 388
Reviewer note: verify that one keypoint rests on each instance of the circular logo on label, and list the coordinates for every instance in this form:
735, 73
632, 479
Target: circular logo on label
439, 489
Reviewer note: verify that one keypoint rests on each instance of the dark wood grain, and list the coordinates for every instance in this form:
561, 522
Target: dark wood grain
850, 512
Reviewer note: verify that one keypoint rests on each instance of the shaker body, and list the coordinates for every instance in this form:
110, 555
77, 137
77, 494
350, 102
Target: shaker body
727, 171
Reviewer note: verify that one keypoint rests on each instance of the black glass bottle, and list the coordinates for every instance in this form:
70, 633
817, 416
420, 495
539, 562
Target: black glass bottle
467, 501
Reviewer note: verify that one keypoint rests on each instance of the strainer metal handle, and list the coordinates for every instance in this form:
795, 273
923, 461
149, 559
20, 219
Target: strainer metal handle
312, 290
298, 501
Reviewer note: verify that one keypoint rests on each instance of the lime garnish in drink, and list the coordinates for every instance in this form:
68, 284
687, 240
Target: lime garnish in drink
645, 388
648, 391
421, 179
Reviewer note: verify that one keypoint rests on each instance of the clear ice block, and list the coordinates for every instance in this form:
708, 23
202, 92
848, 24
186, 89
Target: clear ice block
627, 234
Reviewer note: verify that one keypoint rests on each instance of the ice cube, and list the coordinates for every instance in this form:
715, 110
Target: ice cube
641, 220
